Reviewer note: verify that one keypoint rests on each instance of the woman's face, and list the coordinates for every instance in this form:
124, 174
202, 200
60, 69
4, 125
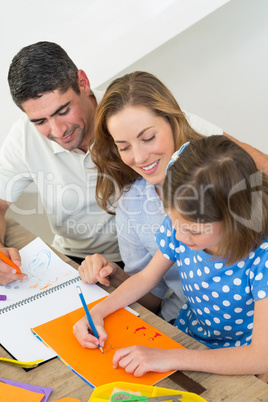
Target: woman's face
145, 141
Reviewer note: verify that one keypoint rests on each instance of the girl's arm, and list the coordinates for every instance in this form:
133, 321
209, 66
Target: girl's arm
136, 286
251, 359
130, 291
96, 268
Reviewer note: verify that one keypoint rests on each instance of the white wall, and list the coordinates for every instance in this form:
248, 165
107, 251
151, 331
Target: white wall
102, 36
218, 69
26, 22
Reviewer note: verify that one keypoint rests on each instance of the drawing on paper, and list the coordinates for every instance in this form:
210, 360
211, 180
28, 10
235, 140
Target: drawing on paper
39, 275
40, 263
37, 270
139, 332
143, 332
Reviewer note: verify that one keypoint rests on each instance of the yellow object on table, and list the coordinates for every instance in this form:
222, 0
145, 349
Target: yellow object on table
104, 393
19, 363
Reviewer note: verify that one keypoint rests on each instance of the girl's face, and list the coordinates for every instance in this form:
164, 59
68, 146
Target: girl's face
197, 236
145, 141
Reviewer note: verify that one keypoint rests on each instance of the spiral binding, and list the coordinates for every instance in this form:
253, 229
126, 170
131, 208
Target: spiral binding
38, 295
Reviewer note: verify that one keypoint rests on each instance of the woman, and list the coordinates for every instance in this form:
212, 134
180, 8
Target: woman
138, 126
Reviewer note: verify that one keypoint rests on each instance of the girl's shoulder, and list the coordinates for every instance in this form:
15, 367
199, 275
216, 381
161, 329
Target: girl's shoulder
258, 258
263, 247
166, 229
264, 244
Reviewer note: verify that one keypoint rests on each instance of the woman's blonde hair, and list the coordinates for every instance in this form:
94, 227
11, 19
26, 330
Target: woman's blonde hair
216, 180
135, 89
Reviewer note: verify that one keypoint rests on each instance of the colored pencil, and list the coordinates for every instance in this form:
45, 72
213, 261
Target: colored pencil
91, 323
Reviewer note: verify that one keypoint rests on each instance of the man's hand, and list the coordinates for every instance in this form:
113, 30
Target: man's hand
9, 274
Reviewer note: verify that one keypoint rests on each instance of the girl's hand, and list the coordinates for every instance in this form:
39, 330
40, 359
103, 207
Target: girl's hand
84, 335
96, 268
139, 360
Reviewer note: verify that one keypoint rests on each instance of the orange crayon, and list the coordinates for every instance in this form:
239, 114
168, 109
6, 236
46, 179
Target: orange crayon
9, 262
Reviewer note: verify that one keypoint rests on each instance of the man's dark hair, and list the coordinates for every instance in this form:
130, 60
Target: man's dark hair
39, 68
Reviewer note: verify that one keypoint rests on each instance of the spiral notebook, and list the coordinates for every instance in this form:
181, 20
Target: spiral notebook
48, 293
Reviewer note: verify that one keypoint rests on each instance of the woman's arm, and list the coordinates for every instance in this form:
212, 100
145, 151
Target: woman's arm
250, 359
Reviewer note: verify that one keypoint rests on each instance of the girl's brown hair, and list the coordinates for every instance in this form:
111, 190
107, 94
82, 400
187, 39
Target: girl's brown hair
135, 89
215, 180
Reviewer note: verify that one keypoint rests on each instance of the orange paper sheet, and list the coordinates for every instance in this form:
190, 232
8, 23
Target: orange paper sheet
15, 394
123, 328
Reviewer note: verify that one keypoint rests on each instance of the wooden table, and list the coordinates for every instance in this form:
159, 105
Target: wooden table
65, 383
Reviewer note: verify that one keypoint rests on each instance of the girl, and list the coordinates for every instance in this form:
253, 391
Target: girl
216, 230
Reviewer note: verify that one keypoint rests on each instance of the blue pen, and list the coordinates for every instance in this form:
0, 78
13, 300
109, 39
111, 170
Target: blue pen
91, 323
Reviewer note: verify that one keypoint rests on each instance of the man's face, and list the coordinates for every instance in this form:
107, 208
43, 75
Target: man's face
64, 118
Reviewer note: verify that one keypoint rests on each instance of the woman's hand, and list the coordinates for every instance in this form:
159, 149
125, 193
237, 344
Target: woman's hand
139, 360
96, 268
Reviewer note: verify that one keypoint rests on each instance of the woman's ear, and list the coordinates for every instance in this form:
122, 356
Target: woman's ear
83, 82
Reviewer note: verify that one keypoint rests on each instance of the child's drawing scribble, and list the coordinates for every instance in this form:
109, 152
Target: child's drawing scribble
142, 331
38, 268
40, 263
45, 270
48, 284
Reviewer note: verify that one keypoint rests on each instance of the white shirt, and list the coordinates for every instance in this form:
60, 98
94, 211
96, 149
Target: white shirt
66, 183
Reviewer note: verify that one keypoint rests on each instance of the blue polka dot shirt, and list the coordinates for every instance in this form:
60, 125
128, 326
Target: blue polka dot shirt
219, 310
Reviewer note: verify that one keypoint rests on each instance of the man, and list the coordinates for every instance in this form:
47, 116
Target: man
58, 104
49, 146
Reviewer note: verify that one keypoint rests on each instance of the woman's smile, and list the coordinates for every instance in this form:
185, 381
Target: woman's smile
144, 140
